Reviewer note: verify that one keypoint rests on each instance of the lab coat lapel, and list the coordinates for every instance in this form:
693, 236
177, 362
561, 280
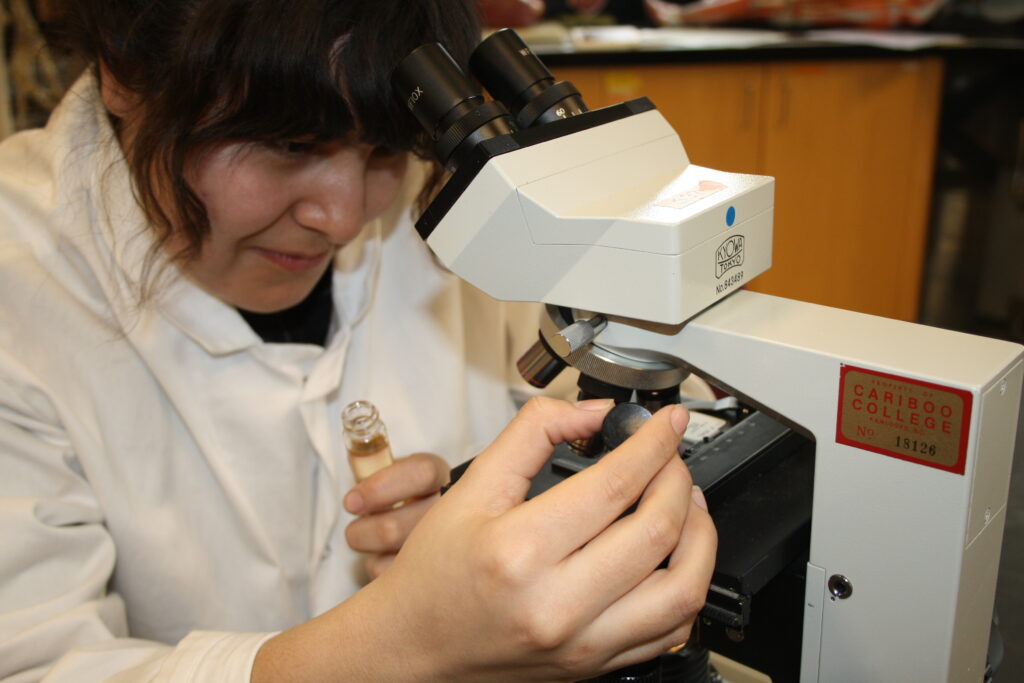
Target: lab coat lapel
353, 287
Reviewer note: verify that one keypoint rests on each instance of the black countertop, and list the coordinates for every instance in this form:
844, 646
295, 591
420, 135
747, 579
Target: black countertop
664, 46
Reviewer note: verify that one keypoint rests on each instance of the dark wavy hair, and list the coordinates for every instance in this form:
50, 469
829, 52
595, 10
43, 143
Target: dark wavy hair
209, 71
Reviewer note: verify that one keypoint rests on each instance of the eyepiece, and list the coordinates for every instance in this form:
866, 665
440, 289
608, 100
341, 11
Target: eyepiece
446, 104
511, 72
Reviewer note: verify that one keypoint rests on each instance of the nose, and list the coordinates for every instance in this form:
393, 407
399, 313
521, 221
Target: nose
330, 195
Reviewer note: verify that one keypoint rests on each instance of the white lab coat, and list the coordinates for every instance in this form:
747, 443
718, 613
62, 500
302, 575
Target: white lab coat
170, 485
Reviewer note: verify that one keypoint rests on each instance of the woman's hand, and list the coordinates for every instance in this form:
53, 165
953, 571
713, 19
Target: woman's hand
390, 503
558, 587
489, 586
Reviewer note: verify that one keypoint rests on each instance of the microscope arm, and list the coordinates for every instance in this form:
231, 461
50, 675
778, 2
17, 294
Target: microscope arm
910, 483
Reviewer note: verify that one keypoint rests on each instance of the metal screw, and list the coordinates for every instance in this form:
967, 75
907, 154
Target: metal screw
840, 586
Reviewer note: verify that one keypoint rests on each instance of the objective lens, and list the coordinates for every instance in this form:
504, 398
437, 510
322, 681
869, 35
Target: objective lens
446, 104
539, 365
515, 76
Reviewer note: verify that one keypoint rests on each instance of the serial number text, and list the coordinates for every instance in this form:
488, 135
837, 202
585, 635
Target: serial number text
729, 282
915, 446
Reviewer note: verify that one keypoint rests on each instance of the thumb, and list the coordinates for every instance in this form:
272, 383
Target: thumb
500, 477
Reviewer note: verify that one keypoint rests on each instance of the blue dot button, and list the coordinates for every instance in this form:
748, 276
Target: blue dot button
730, 216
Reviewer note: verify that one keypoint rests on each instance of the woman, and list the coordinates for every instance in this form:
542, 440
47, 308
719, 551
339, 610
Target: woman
203, 257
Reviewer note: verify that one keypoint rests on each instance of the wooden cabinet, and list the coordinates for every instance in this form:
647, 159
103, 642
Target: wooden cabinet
850, 144
715, 109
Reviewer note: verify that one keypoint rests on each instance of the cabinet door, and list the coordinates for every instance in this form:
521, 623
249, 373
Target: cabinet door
851, 146
714, 108
587, 79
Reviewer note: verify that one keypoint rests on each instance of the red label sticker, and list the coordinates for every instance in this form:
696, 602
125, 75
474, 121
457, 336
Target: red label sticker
904, 418
705, 188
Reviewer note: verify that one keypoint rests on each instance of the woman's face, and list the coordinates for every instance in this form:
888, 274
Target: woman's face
278, 214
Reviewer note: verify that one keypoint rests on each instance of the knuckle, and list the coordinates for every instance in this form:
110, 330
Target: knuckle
535, 408
662, 529
510, 562
618, 486
537, 403
688, 602
373, 490
541, 628
580, 659
390, 533
424, 473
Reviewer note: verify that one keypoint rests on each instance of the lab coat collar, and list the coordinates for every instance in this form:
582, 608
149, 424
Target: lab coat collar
221, 330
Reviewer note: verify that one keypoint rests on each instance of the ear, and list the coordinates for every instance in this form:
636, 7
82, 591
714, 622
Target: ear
119, 100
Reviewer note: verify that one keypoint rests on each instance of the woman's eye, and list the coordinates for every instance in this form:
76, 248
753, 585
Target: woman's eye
385, 152
298, 146
293, 147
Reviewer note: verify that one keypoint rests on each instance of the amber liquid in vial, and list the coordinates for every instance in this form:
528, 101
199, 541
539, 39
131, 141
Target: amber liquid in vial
366, 439
367, 457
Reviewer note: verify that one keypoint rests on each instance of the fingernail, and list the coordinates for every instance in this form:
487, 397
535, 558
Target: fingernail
354, 502
595, 404
697, 496
679, 418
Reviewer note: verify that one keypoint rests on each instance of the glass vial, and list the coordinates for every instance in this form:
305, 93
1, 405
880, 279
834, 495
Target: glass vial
365, 438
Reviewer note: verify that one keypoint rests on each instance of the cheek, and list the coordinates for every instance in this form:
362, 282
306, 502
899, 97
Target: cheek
382, 186
237, 191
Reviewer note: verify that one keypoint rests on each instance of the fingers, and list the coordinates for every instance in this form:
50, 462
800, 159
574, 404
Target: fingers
585, 504
501, 474
415, 476
625, 553
377, 564
653, 613
652, 648
385, 532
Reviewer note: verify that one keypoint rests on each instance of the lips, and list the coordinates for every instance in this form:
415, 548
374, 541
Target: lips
292, 262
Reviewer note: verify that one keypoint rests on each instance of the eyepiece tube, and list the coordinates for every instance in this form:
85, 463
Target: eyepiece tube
511, 72
450, 109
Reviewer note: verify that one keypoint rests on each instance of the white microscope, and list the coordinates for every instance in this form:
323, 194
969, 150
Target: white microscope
860, 481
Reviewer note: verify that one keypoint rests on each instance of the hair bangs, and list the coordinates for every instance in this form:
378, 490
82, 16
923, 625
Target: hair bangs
275, 79
383, 34
320, 73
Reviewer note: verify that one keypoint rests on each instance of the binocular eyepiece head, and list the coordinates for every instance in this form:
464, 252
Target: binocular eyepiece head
455, 114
